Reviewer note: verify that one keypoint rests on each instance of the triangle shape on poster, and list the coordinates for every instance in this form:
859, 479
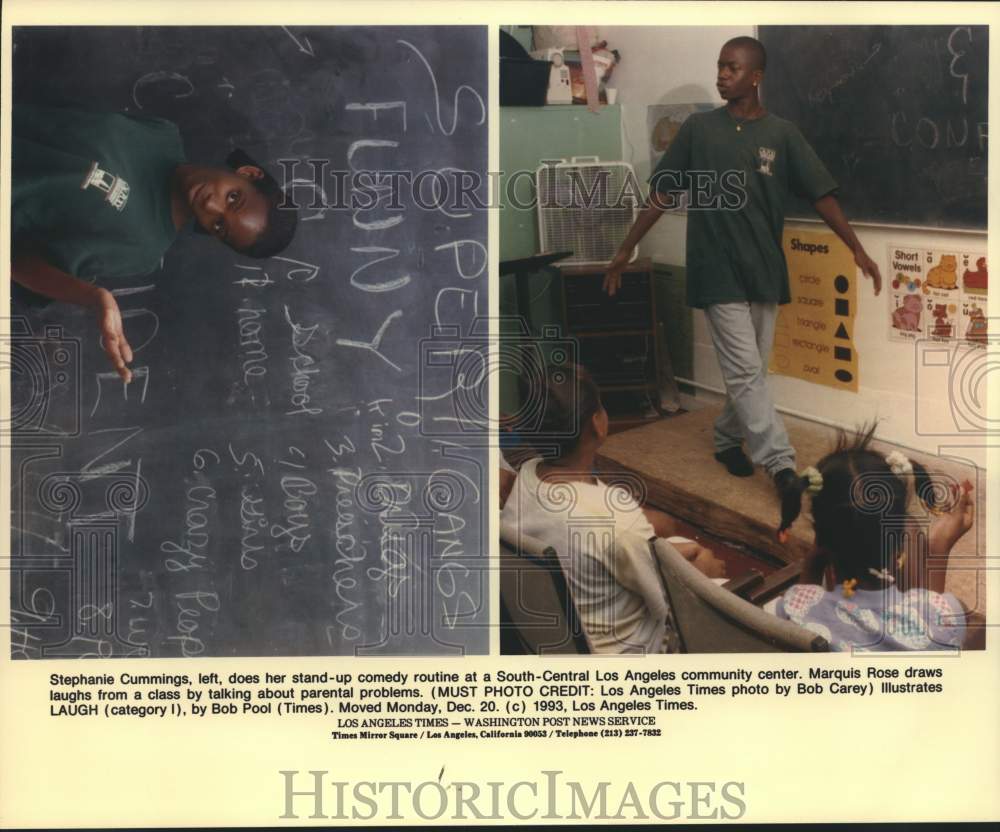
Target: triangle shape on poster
842, 333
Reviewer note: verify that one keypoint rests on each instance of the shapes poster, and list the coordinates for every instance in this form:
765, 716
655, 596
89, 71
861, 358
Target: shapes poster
937, 294
814, 334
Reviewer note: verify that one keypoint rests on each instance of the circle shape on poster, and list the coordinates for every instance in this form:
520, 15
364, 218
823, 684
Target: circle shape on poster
840, 283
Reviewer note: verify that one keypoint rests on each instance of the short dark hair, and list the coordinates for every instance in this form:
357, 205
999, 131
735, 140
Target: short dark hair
569, 399
281, 221
752, 45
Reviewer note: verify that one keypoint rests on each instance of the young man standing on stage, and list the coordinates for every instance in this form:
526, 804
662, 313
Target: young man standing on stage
736, 268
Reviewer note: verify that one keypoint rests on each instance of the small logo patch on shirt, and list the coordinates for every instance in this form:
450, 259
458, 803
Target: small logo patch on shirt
766, 158
115, 188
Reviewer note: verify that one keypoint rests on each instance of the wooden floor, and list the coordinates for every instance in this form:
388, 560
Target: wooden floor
673, 458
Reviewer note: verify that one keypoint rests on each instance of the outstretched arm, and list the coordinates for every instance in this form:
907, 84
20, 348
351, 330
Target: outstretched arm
702, 559
829, 209
653, 210
946, 531
33, 272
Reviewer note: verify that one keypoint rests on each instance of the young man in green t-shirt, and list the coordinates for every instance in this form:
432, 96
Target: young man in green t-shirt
103, 195
744, 161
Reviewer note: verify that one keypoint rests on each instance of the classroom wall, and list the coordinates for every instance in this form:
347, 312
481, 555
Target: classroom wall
912, 400
529, 135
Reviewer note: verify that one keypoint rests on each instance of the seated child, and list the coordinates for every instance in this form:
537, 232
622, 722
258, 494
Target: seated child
103, 195
508, 473
599, 531
882, 599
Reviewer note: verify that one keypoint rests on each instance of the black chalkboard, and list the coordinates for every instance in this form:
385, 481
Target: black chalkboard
897, 113
299, 466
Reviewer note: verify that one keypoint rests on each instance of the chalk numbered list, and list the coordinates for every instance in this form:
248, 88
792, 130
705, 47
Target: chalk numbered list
299, 466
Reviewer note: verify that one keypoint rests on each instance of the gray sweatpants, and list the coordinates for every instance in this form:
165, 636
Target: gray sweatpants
742, 334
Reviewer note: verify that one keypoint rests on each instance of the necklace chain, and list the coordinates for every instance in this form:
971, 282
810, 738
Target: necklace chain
751, 117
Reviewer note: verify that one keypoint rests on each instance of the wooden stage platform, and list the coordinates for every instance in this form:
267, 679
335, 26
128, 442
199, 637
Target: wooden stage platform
673, 457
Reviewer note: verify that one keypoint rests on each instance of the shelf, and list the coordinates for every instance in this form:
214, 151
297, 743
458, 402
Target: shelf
618, 333
555, 108
620, 388
643, 265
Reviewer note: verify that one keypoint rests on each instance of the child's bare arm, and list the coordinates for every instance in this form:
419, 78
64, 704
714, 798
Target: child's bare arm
33, 272
946, 531
702, 559
507, 479
663, 524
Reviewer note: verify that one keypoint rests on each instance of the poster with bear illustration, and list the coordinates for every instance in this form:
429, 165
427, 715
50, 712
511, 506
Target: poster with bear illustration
937, 294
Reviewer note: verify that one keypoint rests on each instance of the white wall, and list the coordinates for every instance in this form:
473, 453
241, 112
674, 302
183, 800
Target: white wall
677, 65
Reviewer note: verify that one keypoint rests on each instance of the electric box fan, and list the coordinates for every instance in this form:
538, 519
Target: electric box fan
586, 206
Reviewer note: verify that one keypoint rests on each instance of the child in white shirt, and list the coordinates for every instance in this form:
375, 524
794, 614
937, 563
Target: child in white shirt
599, 530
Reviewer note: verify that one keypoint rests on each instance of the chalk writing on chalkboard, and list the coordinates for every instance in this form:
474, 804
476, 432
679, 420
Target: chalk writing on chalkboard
897, 113
295, 468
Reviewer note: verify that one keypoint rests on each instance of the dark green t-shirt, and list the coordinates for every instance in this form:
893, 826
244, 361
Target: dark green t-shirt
93, 189
738, 181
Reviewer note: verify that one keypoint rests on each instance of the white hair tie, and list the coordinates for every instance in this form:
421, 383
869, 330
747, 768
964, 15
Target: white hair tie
899, 464
815, 479
883, 574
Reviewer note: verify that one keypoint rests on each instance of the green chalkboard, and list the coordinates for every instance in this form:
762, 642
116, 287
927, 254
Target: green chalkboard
897, 113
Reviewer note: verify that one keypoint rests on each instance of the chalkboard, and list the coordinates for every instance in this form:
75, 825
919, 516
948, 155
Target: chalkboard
897, 113
299, 466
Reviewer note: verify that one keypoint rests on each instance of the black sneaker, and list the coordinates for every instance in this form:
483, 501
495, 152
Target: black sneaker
785, 480
736, 462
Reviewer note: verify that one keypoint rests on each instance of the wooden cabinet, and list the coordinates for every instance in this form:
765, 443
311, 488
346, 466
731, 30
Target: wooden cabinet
618, 337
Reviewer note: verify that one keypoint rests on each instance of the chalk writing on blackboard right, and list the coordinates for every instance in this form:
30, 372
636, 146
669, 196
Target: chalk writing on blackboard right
897, 113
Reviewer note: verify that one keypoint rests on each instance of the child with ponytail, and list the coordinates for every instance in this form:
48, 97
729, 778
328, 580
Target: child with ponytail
866, 585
